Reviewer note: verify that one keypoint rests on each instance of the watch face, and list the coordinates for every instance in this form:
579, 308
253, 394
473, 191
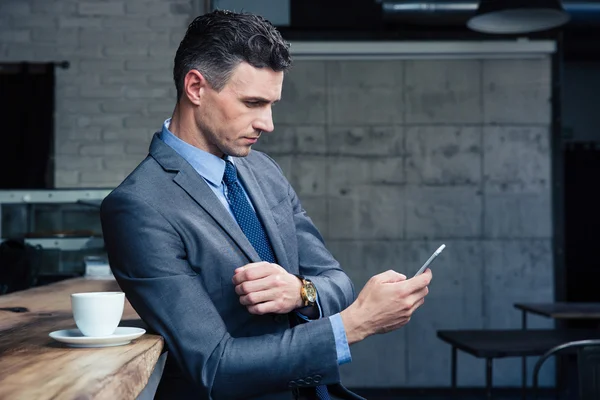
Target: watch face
311, 293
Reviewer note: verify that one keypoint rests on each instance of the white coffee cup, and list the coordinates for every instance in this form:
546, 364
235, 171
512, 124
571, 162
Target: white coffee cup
97, 313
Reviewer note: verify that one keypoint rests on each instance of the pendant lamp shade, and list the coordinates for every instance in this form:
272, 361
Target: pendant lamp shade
518, 16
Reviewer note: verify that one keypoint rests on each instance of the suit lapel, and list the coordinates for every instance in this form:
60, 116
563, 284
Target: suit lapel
198, 189
255, 193
195, 186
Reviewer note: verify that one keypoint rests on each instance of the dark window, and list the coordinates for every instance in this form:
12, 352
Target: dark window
27, 125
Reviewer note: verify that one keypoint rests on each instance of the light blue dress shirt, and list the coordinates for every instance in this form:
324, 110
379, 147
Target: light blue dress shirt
211, 168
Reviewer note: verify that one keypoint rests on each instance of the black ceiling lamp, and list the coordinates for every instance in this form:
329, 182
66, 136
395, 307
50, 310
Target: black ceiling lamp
518, 16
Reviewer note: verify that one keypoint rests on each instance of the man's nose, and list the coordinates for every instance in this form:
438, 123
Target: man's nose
265, 122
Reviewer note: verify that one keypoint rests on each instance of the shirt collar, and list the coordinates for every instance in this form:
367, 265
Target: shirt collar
209, 166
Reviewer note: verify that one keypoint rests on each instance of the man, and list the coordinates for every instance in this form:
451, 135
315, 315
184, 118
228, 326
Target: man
213, 249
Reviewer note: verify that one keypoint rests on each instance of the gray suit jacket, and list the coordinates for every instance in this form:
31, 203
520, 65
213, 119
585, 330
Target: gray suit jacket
173, 248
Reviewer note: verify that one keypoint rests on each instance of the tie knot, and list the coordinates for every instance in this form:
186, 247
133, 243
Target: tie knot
230, 175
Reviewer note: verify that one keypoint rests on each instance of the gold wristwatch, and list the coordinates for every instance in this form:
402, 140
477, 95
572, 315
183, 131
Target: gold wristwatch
308, 291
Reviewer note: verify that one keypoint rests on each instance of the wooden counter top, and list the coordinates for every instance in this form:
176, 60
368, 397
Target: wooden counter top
34, 366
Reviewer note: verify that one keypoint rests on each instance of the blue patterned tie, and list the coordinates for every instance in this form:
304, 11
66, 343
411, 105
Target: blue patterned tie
253, 229
322, 392
245, 215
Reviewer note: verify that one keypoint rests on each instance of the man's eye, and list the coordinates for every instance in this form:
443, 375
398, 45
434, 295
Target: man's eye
252, 103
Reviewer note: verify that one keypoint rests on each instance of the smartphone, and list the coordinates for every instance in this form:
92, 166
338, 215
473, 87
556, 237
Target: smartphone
433, 256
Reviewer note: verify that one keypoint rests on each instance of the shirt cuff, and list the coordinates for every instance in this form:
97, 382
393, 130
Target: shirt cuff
304, 317
341, 341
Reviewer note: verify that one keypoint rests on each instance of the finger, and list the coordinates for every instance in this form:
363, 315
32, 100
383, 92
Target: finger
253, 286
427, 275
252, 272
417, 305
263, 308
410, 313
419, 282
258, 297
249, 266
418, 296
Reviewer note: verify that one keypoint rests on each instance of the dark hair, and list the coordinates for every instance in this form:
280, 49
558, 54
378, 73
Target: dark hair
217, 42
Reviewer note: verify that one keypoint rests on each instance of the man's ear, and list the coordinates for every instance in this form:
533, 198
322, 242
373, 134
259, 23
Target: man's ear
194, 86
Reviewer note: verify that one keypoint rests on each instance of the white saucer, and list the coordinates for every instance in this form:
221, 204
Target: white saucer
74, 337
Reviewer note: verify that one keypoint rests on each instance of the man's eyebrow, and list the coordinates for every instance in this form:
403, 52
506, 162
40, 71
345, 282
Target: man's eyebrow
260, 99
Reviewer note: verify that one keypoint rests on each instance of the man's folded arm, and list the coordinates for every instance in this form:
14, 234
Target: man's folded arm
335, 289
149, 262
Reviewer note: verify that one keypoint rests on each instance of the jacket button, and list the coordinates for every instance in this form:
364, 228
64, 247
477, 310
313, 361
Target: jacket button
292, 384
317, 378
308, 380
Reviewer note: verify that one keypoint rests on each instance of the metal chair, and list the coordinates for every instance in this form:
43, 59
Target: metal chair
588, 363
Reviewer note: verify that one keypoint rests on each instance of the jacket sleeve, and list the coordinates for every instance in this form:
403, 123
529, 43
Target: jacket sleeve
148, 259
335, 289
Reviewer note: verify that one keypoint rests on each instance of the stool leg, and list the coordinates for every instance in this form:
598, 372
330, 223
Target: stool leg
523, 360
523, 378
453, 373
488, 378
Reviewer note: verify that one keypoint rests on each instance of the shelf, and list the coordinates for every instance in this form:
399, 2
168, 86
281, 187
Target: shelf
52, 196
66, 244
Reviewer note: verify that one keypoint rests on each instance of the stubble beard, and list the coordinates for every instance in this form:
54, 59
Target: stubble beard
228, 148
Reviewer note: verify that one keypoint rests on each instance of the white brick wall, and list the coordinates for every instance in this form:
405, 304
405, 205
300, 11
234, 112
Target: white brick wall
118, 88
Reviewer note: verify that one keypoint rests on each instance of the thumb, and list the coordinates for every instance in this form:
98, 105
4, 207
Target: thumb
390, 276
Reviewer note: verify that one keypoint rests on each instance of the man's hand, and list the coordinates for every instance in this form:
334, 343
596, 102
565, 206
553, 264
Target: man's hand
267, 288
386, 303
